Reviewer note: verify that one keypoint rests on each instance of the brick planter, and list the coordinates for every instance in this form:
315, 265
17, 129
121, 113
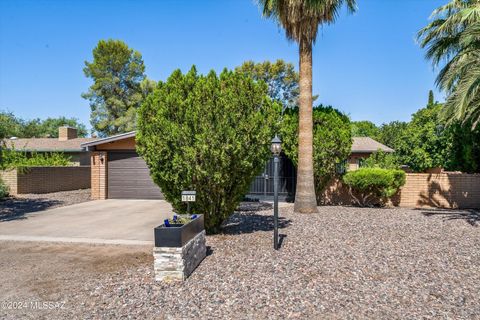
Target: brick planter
179, 250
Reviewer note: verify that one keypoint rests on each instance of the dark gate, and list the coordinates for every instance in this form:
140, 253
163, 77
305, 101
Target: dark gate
262, 185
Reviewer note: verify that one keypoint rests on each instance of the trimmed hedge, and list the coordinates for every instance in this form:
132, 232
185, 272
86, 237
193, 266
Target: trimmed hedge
374, 185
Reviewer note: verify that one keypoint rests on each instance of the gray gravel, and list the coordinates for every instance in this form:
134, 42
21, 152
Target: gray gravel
17, 206
343, 263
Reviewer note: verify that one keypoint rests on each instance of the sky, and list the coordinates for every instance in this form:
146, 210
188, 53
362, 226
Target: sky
367, 64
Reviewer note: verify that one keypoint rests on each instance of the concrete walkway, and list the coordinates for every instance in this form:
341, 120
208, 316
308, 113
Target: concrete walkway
103, 221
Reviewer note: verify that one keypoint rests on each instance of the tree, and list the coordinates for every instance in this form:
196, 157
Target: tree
280, 77
332, 142
425, 143
364, 129
207, 133
49, 127
118, 90
452, 40
12, 126
301, 20
391, 134
431, 98
464, 153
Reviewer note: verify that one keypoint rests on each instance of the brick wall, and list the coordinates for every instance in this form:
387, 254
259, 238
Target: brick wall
444, 190
99, 175
10, 179
47, 179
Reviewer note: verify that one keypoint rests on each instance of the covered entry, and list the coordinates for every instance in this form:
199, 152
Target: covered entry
129, 177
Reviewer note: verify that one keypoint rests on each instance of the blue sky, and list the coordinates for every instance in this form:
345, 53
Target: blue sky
367, 64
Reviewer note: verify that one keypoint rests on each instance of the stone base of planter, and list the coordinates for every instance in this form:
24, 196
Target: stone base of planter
177, 263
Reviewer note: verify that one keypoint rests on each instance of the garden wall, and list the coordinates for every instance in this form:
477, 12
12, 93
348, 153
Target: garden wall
443, 190
46, 179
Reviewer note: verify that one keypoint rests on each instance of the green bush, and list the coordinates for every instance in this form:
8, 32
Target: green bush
10, 159
207, 133
374, 185
332, 142
3, 189
382, 159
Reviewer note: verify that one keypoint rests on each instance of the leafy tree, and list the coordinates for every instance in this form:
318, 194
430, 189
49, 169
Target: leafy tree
207, 133
12, 126
301, 20
382, 159
49, 127
452, 40
374, 185
280, 77
464, 153
364, 129
332, 141
425, 143
391, 134
118, 88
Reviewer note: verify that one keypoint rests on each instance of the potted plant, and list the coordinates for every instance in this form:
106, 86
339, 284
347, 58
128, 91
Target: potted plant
179, 230
180, 246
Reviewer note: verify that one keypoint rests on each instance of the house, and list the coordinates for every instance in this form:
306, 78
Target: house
119, 172
67, 143
362, 148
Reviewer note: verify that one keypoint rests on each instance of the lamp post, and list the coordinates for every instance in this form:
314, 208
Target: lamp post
276, 148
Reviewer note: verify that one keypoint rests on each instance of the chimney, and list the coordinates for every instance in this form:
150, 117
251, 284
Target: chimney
67, 133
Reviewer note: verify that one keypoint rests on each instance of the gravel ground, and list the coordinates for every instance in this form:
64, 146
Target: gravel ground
13, 207
343, 263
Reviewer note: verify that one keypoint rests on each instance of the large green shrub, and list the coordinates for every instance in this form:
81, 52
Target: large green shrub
374, 185
332, 142
207, 133
10, 159
382, 159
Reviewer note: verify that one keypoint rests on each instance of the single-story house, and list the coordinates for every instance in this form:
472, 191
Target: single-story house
67, 143
119, 172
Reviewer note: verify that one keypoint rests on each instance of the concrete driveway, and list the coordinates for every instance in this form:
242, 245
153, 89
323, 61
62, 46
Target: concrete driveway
101, 221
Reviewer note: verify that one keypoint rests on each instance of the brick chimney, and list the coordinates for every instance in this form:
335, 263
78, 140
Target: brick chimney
67, 133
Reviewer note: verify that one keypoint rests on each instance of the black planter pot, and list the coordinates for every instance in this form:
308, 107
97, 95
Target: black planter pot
177, 235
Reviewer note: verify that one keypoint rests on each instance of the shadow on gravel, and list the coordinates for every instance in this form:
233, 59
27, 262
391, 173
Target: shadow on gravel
248, 222
17, 208
472, 217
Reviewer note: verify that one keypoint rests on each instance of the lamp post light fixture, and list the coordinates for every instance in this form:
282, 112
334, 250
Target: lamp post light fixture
276, 148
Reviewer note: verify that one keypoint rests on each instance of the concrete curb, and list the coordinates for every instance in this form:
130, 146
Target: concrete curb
75, 240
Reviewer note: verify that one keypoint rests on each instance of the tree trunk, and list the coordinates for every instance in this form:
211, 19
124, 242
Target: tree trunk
305, 199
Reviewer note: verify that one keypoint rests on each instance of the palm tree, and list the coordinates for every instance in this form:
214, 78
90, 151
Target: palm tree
301, 19
453, 38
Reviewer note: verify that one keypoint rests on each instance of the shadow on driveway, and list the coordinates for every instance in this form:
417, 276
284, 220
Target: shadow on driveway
16, 208
472, 217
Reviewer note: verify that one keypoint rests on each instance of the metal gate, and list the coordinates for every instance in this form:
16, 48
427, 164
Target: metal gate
262, 185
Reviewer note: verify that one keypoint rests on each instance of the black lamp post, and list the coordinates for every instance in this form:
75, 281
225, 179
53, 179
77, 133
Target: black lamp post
276, 149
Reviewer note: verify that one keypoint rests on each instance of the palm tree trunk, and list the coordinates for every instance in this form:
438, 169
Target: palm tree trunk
305, 200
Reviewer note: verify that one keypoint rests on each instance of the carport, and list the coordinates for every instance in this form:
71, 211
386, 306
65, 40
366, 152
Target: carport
118, 172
